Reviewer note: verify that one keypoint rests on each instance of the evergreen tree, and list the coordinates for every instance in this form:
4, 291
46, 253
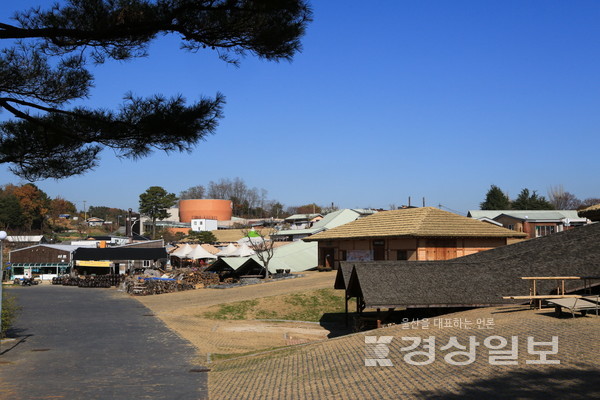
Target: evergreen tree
531, 201
202, 237
11, 214
154, 203
46, 68
495, 199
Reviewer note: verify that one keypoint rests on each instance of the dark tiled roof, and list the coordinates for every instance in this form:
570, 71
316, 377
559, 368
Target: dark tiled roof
343, 275
581, 243
119, 253
480, 279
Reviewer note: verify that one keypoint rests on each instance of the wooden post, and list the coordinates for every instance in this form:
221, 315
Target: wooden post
347, 298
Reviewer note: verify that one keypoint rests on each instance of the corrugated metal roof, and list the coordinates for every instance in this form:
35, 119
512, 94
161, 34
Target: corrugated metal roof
302, 217
297, 256
337, 218
546, 215
491, 214
63, 247
295, 232
330, 221
521, 214
24, 238
415, 222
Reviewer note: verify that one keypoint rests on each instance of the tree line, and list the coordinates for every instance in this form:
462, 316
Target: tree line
26, 209
558, 199
248, 202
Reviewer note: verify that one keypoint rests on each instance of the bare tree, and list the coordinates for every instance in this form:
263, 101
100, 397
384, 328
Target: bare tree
590, 201
195, 192
561, 199
260, 241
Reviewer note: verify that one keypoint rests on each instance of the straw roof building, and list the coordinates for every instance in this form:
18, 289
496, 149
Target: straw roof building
592, 212
477, 280
414, 234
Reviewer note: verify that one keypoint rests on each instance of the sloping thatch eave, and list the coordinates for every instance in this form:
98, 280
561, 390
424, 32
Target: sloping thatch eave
591, 213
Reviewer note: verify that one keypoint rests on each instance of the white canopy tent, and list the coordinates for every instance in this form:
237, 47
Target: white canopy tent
183, 251
199, 252
243, 251
227, 251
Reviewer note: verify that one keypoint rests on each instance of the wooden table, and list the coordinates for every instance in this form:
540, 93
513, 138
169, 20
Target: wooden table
560, 289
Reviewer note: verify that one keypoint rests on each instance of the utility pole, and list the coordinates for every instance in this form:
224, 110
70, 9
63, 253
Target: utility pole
2, 237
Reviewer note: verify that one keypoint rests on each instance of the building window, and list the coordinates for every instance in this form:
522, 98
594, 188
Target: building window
511, 227
146, 263
544, 230
402, 255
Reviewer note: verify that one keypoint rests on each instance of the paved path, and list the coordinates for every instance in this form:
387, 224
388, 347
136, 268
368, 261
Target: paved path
88, 343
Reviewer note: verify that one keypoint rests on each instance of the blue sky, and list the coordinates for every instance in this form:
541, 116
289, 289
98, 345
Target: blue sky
389, 99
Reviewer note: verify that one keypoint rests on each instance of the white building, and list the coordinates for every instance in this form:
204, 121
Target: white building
202, 225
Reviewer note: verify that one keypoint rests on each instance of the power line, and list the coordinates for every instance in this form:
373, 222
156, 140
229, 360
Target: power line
449, 209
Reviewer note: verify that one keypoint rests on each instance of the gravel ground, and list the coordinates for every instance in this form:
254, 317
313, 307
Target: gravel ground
335, 369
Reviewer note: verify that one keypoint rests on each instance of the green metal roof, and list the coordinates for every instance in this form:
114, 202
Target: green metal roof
546, 215
39, 265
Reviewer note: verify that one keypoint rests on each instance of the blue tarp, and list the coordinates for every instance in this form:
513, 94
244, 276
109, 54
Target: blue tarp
158, 279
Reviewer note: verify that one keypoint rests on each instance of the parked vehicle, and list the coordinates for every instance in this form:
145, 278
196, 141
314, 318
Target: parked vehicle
25, 281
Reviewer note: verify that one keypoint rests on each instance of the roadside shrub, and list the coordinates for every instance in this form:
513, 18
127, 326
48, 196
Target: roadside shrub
9, 312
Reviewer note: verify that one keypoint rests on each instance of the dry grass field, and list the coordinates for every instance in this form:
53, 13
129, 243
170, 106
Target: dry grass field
198, 315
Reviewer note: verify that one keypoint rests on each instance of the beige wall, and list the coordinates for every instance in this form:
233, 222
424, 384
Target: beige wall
421, 249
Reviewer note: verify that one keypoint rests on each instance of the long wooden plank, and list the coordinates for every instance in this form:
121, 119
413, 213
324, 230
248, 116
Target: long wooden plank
560, 277
550, 296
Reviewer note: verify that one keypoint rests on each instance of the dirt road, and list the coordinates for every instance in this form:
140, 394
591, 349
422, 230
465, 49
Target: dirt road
183, 312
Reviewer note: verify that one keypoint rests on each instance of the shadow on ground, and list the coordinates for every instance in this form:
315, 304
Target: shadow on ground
335, 323
573, 384
18, 335
338, 324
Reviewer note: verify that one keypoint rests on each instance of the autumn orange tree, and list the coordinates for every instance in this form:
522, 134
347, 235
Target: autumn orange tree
34, 202
59, 206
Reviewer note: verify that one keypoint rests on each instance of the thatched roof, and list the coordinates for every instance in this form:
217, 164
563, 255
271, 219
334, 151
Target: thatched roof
477, 280
415, 222
592, 212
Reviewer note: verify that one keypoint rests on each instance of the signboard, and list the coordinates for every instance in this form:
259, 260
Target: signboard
359, 255
83, 263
